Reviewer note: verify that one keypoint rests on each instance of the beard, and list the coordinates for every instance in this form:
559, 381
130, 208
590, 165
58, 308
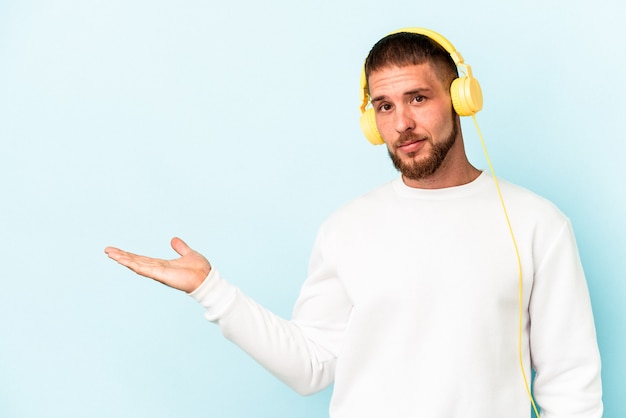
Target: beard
427, 166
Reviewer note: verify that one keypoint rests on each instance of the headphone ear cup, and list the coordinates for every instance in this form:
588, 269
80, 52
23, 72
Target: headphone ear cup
370, 130
467, 97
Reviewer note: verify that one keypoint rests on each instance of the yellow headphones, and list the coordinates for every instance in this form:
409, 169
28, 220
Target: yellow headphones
467, 98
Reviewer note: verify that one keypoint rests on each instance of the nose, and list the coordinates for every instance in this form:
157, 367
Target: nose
403, 119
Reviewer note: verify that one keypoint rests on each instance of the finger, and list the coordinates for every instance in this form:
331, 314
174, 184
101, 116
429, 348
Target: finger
123, 257
180, 246
133, 261
153, 268
113, 253
110, 249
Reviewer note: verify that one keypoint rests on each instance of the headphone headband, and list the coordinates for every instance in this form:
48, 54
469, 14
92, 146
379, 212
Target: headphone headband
440, 39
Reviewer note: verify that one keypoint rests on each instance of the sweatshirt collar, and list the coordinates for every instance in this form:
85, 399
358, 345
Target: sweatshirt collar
483, 180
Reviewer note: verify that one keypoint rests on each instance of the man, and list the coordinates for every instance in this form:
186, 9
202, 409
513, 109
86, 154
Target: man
412, 303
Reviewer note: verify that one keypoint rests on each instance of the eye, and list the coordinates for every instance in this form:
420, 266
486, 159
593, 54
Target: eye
384, 107
419, 99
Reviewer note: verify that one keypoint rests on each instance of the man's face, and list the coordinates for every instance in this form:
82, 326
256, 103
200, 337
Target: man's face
414, 116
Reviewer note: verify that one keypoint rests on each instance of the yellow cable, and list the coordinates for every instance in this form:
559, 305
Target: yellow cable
519, 265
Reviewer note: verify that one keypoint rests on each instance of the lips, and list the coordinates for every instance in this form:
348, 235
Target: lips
412, 145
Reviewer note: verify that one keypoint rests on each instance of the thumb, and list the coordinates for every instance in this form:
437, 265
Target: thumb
180, 246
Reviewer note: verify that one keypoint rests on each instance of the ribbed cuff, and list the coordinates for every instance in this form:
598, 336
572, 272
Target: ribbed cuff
214, 294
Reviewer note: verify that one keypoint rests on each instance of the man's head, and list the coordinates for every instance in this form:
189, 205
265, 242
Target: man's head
412, 46
408, 80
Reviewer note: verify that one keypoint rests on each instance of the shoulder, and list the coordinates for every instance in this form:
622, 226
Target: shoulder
366, 205
537, 221
528, 204
359, 212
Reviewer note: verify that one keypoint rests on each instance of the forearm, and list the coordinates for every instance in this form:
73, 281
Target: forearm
279, 345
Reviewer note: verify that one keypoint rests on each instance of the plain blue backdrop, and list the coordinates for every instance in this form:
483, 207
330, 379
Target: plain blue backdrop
235, 126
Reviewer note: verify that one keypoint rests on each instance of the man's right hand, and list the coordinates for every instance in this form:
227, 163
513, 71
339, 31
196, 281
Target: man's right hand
185, 273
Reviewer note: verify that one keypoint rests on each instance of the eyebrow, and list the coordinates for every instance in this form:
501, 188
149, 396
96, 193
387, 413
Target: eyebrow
419, 90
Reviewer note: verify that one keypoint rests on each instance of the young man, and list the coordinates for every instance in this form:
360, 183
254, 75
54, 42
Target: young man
412, 303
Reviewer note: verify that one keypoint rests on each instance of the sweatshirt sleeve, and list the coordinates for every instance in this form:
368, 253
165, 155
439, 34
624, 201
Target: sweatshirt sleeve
301, 352
563, 340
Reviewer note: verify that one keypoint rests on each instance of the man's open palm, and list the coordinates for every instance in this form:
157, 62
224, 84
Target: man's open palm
185, 273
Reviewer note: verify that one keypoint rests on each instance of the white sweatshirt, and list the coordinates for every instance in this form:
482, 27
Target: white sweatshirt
411, 308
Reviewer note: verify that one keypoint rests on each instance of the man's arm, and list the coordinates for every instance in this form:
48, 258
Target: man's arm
564, 348
300, 353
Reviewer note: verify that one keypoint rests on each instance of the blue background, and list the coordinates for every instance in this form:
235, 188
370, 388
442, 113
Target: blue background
235, 126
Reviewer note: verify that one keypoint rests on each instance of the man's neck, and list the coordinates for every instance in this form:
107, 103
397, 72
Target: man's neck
445, 177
